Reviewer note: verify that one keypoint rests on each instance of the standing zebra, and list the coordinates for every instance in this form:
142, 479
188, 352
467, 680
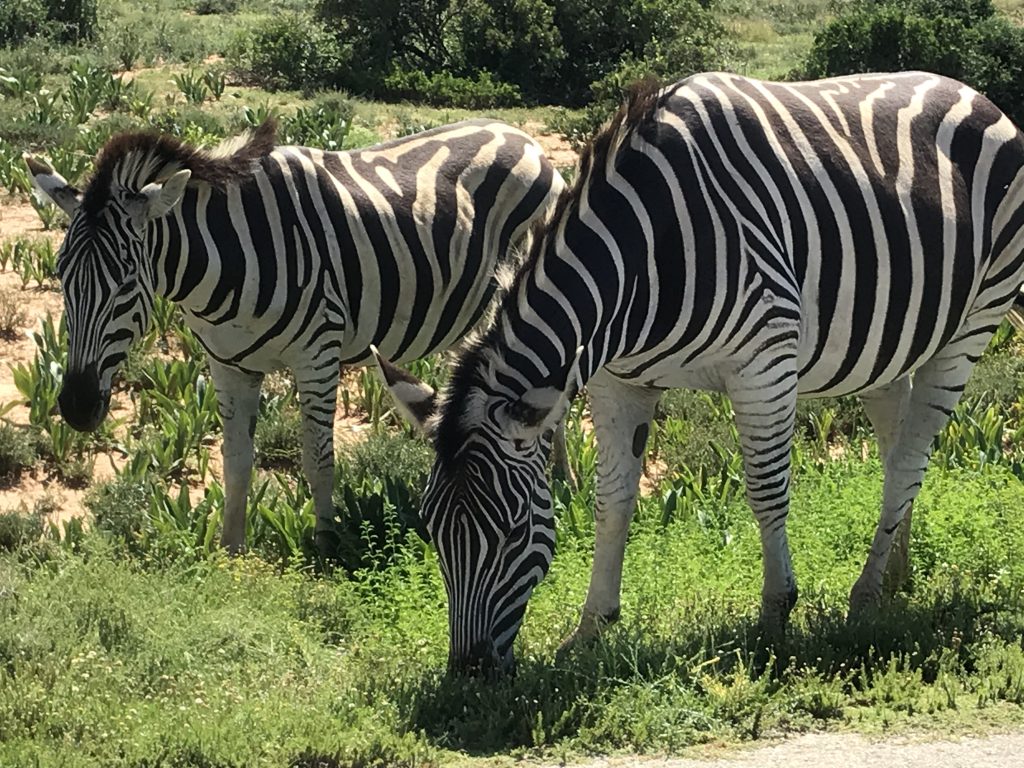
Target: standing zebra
288, 257
759, 239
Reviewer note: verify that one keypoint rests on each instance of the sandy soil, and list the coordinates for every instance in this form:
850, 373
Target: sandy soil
555, 147
850, 751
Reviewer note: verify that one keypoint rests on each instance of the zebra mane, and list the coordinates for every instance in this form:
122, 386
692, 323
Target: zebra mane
477, 361
136, 158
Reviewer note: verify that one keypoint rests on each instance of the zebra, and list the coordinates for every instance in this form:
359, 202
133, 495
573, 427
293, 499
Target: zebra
288, 258
724, 233
1017, 312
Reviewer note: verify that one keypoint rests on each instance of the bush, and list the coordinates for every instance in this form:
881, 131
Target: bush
68, 21
17, 451
288, 51
446, 90
20, 20
963, 39
387, 456
18, 529
74, 20
480, 54
278, 438
208, 7
119, 508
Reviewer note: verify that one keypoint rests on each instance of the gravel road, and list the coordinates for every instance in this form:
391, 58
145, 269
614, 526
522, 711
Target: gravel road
851, 751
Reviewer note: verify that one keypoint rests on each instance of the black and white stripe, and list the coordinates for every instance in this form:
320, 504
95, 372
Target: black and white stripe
290, 258
761, 239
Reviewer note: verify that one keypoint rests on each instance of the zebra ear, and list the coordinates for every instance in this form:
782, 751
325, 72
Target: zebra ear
159, 198
541, 408
416, 401
52, 186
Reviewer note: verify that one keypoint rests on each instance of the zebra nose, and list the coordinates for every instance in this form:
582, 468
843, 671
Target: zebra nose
81, 402
481, 661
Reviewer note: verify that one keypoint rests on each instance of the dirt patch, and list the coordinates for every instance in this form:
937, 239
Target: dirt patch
18, 218
558, 150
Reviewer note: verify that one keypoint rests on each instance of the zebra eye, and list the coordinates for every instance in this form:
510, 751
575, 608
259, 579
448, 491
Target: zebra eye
129, 284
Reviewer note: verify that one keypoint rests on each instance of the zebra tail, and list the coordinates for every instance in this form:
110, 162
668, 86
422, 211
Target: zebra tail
1017, 312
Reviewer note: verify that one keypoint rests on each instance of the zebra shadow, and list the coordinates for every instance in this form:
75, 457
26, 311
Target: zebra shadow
640, 689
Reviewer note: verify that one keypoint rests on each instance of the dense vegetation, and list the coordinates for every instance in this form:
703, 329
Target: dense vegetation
130, 641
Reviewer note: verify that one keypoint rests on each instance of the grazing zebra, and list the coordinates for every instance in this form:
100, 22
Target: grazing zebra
760, 239
288, 258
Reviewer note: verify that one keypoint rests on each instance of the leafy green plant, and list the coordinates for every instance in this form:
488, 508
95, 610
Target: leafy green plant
324, 124
128, 45
86, 89
193, 86
20, 84
13, 171
33, 259
215, 81
181, 423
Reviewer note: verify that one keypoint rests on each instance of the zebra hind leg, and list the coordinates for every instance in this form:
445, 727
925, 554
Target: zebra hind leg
622, 415
937, 388
318, 397
238, 395
764, 403
885, 408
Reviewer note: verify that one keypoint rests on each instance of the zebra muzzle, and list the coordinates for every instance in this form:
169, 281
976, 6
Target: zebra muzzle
82, 403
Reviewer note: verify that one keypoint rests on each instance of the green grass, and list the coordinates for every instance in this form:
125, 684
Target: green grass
124, 662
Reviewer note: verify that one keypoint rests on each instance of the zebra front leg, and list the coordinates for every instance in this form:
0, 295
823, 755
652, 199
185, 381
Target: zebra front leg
936, 390
238, 396
318, 397
765, 410
885, 408
622, 415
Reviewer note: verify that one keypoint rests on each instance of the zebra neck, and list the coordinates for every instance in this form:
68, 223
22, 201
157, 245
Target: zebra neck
564, 303
191, 244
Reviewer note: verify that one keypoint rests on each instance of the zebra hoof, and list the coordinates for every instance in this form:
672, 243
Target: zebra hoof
326, 543
589, 630
775, 610
865, 599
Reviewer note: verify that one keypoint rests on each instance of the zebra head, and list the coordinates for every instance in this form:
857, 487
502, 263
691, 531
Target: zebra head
487, 507
106, 280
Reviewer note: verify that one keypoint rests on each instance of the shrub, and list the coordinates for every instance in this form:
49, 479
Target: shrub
208, 7
119, 508
963, 39
12, 313
68, 21
278, 438
287, 51
387, 456
443, 89
479, 54
517, 41
19, 528
21, 19
74, 20
17, 451
700, 48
